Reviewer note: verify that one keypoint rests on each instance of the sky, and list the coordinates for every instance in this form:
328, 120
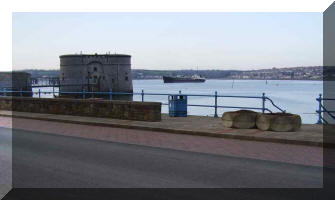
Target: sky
160, 41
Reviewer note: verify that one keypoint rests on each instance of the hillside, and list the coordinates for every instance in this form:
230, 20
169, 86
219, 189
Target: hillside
296, 73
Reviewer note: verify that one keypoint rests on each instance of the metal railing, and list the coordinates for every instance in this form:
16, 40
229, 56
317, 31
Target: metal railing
85, 94
321, 110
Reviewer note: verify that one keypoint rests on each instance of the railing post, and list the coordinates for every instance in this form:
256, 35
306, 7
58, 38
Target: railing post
319, 111
263, 102
4, 92
110, 95
20, 92
84, 94
216, 104
53, 90
39, 93
179, 91
142, 95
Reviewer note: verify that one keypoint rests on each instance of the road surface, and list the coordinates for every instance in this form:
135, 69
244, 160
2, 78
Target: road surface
49, 161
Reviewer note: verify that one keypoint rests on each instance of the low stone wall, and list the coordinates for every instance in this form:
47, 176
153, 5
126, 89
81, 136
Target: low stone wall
128, 110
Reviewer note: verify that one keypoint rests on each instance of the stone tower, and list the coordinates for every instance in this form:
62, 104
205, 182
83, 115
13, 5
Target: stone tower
95, 73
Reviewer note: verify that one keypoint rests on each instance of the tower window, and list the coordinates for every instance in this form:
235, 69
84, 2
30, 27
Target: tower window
95, 69
126, 78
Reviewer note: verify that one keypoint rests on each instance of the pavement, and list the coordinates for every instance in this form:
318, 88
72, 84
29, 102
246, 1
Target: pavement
309, 134
42, 160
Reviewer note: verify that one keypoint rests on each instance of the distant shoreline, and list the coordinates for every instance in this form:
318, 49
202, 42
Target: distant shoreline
245, 79
296, 73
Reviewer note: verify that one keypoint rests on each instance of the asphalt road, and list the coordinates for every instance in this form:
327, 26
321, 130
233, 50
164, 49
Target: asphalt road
43, 160
5, 161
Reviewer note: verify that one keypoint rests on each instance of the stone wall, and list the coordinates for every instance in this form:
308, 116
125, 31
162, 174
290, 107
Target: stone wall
129, 110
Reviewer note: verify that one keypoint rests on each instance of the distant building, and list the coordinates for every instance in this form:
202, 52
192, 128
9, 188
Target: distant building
95, 73
15, 81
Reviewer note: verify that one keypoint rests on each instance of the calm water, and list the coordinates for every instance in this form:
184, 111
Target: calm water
293, 96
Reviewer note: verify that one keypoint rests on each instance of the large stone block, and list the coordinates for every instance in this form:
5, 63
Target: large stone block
279, 122
243, 119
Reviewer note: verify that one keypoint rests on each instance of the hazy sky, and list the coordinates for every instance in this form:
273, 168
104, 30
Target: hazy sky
171, 40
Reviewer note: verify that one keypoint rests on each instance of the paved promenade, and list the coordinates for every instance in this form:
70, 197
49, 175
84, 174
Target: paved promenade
194, 125
287, 153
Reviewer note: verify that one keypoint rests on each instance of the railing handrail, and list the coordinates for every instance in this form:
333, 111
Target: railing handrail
139, 93
327, 99
142, 93
275, 105
322, 109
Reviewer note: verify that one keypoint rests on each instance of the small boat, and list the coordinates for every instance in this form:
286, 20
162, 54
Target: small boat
183, 79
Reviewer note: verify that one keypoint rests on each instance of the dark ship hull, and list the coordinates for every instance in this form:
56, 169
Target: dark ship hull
168, 79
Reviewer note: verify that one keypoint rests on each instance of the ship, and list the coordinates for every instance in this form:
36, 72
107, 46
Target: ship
184, 79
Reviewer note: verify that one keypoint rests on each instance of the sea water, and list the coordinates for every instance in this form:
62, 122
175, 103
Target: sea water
294, 96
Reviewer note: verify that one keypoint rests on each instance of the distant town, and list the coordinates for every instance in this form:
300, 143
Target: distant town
295, 73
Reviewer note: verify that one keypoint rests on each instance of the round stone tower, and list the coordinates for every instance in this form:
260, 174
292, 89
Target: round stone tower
95, 73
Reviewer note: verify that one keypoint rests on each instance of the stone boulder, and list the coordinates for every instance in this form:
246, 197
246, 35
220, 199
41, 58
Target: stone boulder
243, 119
279, 122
